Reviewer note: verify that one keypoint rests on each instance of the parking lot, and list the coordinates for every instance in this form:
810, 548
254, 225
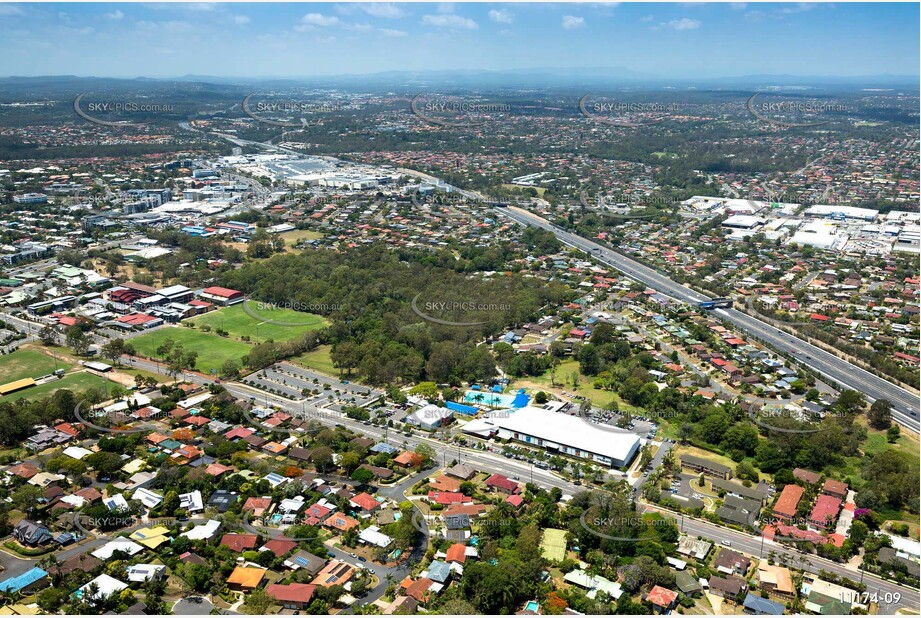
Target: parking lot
323, 391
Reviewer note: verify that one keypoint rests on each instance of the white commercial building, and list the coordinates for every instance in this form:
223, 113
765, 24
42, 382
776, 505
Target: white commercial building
565, 434
843, 212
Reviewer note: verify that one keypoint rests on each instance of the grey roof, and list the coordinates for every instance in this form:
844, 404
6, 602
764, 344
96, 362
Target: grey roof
760, 605
439, 571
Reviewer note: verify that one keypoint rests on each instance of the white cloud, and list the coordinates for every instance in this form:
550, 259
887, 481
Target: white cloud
384, 10
449, 21
755, 17
570, 22
393, 33
684, 23
318, 20
174, 27
240, 19
10, 9
800, 7
738, 6
648, 19
116, 15
501, 16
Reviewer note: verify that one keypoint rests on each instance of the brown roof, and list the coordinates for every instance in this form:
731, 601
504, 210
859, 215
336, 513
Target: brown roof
832, 486
417, 589
807, 476
239, 542
297, 593
788, 501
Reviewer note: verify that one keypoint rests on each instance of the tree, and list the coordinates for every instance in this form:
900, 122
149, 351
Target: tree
230, 368
48, 335
76, 339
113, 350
880, 414
258, 602
363, 476
851, 402
322, 458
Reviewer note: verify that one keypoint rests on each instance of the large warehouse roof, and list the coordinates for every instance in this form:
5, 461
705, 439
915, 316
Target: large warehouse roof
570, 431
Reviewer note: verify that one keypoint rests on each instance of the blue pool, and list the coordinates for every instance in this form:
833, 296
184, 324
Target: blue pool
497, 400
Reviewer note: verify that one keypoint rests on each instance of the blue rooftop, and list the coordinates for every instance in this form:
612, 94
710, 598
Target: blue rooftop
762, 606
15, 584
383, 447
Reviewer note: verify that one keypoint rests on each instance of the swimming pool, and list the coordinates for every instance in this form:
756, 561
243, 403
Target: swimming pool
497, 400
532, 606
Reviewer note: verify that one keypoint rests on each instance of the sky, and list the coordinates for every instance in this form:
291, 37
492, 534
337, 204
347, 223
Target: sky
312, 39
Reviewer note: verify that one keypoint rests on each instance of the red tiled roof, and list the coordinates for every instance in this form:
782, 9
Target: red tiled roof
239, 542
662, 597
456, 553
292, 593
280, 546
366, 502
825, 510
497, 480
788, 501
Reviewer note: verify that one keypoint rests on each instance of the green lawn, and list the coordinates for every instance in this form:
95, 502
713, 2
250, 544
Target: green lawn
318, 360
27, 363
254, 320
213, 351
76, 382
597, 396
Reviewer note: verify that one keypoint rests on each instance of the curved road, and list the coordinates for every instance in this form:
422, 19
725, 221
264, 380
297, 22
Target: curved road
904, 403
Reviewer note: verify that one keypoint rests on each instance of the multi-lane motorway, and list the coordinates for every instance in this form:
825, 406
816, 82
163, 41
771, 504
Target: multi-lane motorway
904, 403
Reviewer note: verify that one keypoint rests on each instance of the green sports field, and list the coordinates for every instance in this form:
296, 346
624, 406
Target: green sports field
27, 363
76, 382
260, 322
213, 351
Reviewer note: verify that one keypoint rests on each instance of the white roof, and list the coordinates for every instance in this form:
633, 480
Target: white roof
148, 498
203, 532
77, 452
143, 572
116, 503
120, 544
106, 586
569, 431
373, 536
593, 583
192, 501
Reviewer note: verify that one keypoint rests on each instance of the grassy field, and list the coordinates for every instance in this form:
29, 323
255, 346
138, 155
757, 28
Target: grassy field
28, 363
540, 190
294, 236
76, 382
598, 397
318, 360
236, 321
213, 351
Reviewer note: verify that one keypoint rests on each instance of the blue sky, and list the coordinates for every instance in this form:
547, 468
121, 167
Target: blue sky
300, 40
